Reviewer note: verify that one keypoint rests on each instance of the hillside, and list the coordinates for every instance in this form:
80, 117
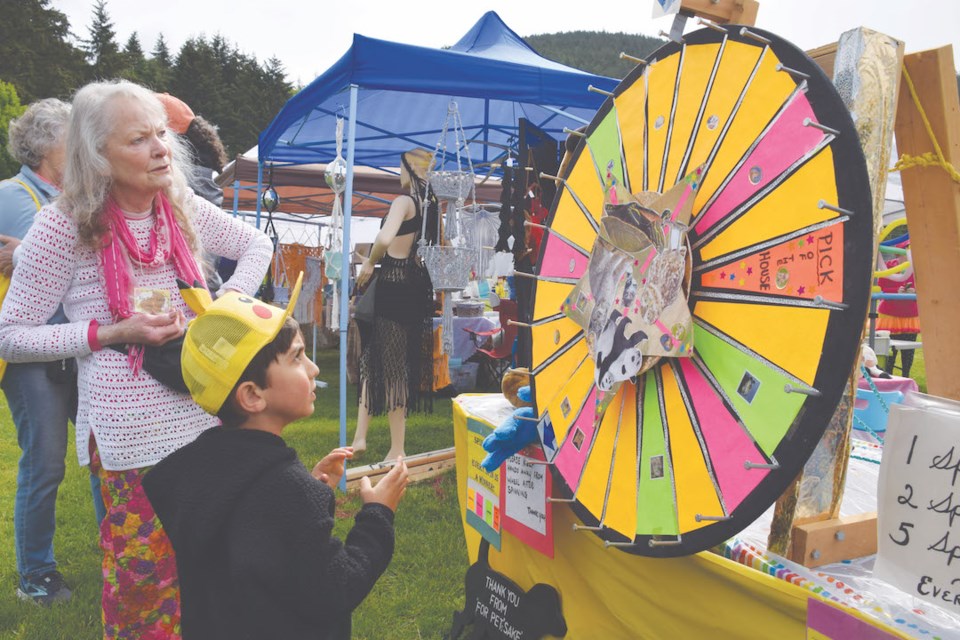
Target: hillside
594, 51
598, 51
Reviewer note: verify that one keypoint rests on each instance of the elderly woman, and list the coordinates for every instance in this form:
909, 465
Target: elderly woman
396, 364
41, 395
110, 249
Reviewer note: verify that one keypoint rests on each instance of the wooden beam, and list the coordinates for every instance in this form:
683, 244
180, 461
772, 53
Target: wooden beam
932, 201
827, 541
825, 56
723, 11
420, 467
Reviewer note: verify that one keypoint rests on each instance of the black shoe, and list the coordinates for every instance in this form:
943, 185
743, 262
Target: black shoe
45, 589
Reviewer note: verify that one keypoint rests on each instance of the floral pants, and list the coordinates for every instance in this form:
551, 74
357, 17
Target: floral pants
141, 592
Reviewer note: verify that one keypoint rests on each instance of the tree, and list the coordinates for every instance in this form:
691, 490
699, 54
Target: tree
161, 52
229, 88
198, 78
35, 53
159, 68
594, 51
134, 62
104, 55
10, 108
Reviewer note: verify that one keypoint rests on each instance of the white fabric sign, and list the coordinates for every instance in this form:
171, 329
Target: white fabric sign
526, 497
918, 499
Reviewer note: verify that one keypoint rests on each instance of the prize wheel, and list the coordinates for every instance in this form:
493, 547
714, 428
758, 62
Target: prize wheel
745, 132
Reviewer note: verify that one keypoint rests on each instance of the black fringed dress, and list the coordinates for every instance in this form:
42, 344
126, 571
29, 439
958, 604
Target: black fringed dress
396, 363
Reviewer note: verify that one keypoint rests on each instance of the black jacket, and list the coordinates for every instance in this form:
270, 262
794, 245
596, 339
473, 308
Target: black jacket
252, 532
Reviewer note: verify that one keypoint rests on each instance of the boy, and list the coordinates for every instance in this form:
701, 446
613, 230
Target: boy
251, 527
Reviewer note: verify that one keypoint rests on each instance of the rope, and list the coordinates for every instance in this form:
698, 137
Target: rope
866, 427
931, 158
883, 405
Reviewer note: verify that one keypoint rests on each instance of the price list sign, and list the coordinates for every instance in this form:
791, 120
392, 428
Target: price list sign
484, 505
919, 501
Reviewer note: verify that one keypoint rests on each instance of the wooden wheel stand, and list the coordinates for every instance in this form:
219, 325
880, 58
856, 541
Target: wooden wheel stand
933, 200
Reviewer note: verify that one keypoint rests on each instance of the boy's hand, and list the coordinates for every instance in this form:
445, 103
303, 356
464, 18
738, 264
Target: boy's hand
390, 488
332, 467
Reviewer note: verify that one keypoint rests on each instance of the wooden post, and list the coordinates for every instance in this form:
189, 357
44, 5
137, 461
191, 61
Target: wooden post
834, 540
825, 57
932, 201
722, 11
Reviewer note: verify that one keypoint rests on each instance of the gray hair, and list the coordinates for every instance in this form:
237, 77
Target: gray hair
87, 178
41, 128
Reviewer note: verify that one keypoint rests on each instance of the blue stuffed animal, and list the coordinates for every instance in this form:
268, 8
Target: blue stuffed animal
516, 432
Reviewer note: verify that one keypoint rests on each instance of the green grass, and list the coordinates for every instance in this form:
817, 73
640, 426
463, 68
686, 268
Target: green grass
415, 598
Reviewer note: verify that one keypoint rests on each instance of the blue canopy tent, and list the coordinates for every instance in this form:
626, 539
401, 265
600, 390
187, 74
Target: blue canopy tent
403, 92
395, 97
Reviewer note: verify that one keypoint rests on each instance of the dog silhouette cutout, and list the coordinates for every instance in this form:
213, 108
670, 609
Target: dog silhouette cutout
499, 609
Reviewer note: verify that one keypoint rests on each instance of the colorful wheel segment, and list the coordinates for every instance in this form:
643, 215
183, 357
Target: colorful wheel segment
693, 449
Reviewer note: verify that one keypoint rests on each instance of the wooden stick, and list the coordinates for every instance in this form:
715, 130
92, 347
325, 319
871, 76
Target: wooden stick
626, 56
594, 89
421, 466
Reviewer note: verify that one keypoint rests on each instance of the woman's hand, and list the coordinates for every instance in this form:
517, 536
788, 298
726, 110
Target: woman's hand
6, 254
366, 272
151, 329
332, 467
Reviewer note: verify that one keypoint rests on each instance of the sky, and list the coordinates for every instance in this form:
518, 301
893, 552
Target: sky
308, 37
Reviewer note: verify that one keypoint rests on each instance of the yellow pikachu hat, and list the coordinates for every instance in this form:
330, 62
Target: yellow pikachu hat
224, 338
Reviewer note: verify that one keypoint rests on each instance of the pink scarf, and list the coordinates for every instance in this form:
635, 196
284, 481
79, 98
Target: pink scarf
120, 252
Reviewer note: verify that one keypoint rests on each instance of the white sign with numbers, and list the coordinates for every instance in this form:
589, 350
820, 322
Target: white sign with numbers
918, 499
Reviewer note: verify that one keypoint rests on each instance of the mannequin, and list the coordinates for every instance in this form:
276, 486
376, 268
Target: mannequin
396, 371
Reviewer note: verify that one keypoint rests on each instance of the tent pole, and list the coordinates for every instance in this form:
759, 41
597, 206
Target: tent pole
315, 323
259, 189
236, 197
345, 269
486, 129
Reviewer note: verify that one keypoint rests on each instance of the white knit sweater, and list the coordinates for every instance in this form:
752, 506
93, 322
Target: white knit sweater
135, 420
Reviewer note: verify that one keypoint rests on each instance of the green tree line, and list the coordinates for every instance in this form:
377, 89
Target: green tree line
595, 51
41, 57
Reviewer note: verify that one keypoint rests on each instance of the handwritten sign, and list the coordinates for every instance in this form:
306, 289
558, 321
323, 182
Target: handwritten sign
919, 501
484, 504
526, 512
